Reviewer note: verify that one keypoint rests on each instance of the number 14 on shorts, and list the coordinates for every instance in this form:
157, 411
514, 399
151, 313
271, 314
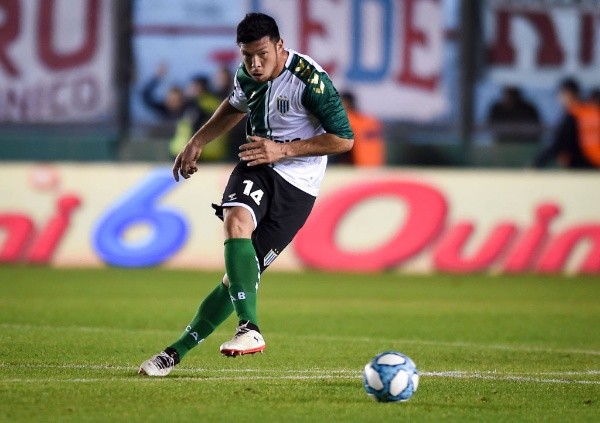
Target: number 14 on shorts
255, 195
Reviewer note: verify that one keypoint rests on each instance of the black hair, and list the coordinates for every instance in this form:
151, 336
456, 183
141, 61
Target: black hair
255, 26
513, 91
201, 80
570, 85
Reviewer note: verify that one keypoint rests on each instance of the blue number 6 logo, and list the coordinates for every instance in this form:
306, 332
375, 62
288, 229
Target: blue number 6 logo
168, 229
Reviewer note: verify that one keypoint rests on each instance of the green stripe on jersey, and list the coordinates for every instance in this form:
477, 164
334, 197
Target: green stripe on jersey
257, 95
302, 68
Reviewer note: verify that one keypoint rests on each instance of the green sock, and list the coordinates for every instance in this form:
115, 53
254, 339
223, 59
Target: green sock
213, 311
243, 272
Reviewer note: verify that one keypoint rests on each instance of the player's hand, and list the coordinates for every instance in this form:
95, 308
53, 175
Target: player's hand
186, 161
260, 150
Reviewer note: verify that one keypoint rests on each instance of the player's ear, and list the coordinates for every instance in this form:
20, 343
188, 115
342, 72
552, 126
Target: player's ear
279, 45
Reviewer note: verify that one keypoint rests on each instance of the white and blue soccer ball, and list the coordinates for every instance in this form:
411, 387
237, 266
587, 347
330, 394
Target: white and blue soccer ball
390, 377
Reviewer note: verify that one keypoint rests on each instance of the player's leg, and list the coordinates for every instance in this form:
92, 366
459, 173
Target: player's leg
244, 193
245, 201
239, 286
213, 311
289, 208
243, 272
240, 262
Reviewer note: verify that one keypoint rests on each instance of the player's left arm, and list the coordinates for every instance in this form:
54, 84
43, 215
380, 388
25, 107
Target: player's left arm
323, 101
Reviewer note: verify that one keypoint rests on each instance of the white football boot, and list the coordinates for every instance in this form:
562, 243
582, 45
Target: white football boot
158, 365
245, 341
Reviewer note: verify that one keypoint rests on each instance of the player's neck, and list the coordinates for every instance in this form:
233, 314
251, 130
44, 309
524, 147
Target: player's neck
281, 59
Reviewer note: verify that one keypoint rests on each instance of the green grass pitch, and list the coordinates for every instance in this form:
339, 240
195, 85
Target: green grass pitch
489, 348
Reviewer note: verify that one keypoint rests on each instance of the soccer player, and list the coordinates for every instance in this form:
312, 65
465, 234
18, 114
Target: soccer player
295, 119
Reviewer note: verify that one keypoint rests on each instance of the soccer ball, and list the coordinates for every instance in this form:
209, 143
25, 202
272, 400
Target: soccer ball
390, 377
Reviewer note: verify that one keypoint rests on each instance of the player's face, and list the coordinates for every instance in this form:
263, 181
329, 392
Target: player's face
262, 58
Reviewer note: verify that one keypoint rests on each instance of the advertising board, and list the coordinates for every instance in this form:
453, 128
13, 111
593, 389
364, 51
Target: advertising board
381, 220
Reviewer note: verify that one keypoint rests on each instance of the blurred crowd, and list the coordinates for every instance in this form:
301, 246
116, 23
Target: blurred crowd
186, 109
574, 142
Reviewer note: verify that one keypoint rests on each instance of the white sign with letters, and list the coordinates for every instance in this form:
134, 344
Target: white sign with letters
390, 54
540, 42
56, 61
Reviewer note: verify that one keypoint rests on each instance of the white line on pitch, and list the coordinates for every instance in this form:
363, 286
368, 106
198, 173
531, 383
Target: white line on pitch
451, 344
453, 375
309, 374
192, 370
317, 371
516, 378
455, 344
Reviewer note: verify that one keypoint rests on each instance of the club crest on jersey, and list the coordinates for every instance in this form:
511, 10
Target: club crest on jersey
283, 104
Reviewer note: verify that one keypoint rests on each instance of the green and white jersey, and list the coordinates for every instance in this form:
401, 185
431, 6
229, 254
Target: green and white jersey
299, 104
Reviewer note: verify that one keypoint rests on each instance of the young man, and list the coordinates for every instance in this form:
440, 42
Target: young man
566, 141
295, 119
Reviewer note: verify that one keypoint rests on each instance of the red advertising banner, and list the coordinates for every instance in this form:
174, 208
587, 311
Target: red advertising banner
56, 61
456, 221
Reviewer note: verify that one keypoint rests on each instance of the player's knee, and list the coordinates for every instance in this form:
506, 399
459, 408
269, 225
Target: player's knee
238, 228
238, 223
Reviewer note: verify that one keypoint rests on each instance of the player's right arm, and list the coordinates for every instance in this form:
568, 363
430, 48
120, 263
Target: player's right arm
225, 117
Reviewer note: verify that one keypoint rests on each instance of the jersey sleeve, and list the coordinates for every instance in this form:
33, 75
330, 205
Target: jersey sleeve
322, 99
237, 98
